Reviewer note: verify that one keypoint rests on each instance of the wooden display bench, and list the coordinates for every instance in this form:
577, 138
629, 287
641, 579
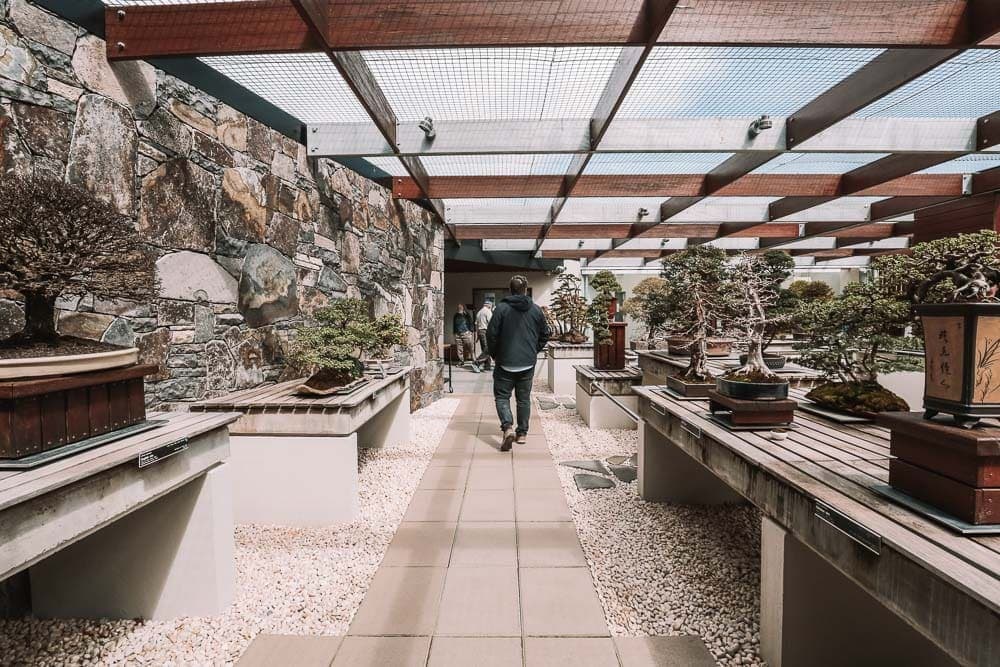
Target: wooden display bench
742, 413
562, 360
657, 365
952, 468
847, 578
139, 528
295, 458
597, 410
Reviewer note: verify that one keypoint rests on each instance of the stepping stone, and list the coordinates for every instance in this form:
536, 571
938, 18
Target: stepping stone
625, 473
633, 460
586, 482
592, 466
617, 460
570, 405
546, 404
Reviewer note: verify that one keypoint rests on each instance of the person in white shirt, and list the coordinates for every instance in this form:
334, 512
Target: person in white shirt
482, 324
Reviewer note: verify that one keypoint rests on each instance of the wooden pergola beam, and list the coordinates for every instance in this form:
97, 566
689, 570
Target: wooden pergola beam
270, 26
802, 190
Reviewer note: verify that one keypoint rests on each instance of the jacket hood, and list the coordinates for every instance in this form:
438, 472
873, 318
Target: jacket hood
520, 302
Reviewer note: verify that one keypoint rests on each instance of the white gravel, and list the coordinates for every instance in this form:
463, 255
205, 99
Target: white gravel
662, 569
289, 580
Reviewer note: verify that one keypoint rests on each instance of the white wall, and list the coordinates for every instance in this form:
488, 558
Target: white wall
458, 289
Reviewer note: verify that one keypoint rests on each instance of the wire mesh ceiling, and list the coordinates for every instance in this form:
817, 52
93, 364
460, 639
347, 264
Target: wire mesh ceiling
817, 163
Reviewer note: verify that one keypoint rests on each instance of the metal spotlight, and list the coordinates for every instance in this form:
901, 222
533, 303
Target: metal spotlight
579, 244
759, 125
427, 125
643, 212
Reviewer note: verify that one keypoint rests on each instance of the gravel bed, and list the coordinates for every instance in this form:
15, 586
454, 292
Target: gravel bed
662, 569
288, 580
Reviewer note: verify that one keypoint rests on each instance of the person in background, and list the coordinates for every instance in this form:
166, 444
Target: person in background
515, 335
461, 326
483, 318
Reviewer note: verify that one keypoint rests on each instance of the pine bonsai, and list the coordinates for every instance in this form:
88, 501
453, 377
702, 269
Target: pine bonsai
649, 305
811, 290
849, 335
606, 288
569, 309
58, 239
696, 282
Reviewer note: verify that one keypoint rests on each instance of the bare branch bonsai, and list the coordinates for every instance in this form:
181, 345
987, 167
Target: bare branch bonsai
58, 239
756, 280
569, 309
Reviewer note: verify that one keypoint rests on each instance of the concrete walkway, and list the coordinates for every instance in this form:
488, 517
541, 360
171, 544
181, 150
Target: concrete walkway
486, 569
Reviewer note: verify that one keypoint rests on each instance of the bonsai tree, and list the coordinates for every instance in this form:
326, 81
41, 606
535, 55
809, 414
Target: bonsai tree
811, 290
57, 239
848, 336
696, 293
607, 288
650, 306
756, 280
334, 347
777, 267
569, 309
962, 269
387, 332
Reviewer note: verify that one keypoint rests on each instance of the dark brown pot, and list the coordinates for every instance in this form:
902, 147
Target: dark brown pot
752, 391
962, 359
772, 361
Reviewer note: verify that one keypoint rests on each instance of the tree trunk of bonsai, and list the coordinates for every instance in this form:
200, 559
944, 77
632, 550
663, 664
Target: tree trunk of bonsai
697, 369
755, 365
40, 317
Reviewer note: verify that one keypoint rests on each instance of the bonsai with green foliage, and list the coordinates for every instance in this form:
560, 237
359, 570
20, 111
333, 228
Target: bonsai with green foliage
848, 336
569, 310
811, 290
697, 292
649, 305
606, 288
343, 335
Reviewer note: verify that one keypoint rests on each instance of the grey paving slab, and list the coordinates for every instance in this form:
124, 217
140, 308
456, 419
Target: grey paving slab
548, 544
269, 650
625, 473
400, 601
560, 602
421, 544
485, 543
491, 475
535, 477
590, 466
444, 477
435, 505
480, 601
542, 505
478, 651
689, 651
381, 652
452, 457
488, 505
587, 482
569, 652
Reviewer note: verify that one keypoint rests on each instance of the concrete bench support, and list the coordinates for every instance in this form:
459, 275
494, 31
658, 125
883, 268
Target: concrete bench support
668, 474
295, 480
173, 557
563, 359
811, 614
390, 427
598, 412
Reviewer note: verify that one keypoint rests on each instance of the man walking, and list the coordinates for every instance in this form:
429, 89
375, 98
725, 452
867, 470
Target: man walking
515, 335
483, 318
461, 326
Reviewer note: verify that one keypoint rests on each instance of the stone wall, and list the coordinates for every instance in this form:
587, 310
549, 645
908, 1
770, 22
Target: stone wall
252, 235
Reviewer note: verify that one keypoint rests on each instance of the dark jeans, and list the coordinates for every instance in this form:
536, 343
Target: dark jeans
484, 357
504, 383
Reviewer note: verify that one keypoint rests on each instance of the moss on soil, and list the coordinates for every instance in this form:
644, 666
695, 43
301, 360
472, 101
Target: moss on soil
857, 398
756, 377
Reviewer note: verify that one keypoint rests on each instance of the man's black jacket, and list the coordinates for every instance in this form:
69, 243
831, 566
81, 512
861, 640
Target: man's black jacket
517, 332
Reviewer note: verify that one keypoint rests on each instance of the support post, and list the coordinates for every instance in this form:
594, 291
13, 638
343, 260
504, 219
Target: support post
390, 427
668, 474
171, 558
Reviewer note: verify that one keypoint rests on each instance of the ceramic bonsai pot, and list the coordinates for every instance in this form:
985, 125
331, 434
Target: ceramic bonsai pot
611, 356
771, 360
693, 389
680, 346
962, 360
752, 391
42, 367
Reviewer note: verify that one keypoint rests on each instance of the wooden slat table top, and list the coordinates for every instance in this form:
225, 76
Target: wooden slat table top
627, 373
282, 396
559, 345
19, 486
722, 365
839, 464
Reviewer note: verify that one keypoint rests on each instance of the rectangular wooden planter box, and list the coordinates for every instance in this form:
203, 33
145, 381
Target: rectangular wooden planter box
753, 413
695, 390
968, 503
612, 356
970, 457
42, 414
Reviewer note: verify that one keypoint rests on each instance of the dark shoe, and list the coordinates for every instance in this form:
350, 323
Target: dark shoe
508, 440
522, 438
